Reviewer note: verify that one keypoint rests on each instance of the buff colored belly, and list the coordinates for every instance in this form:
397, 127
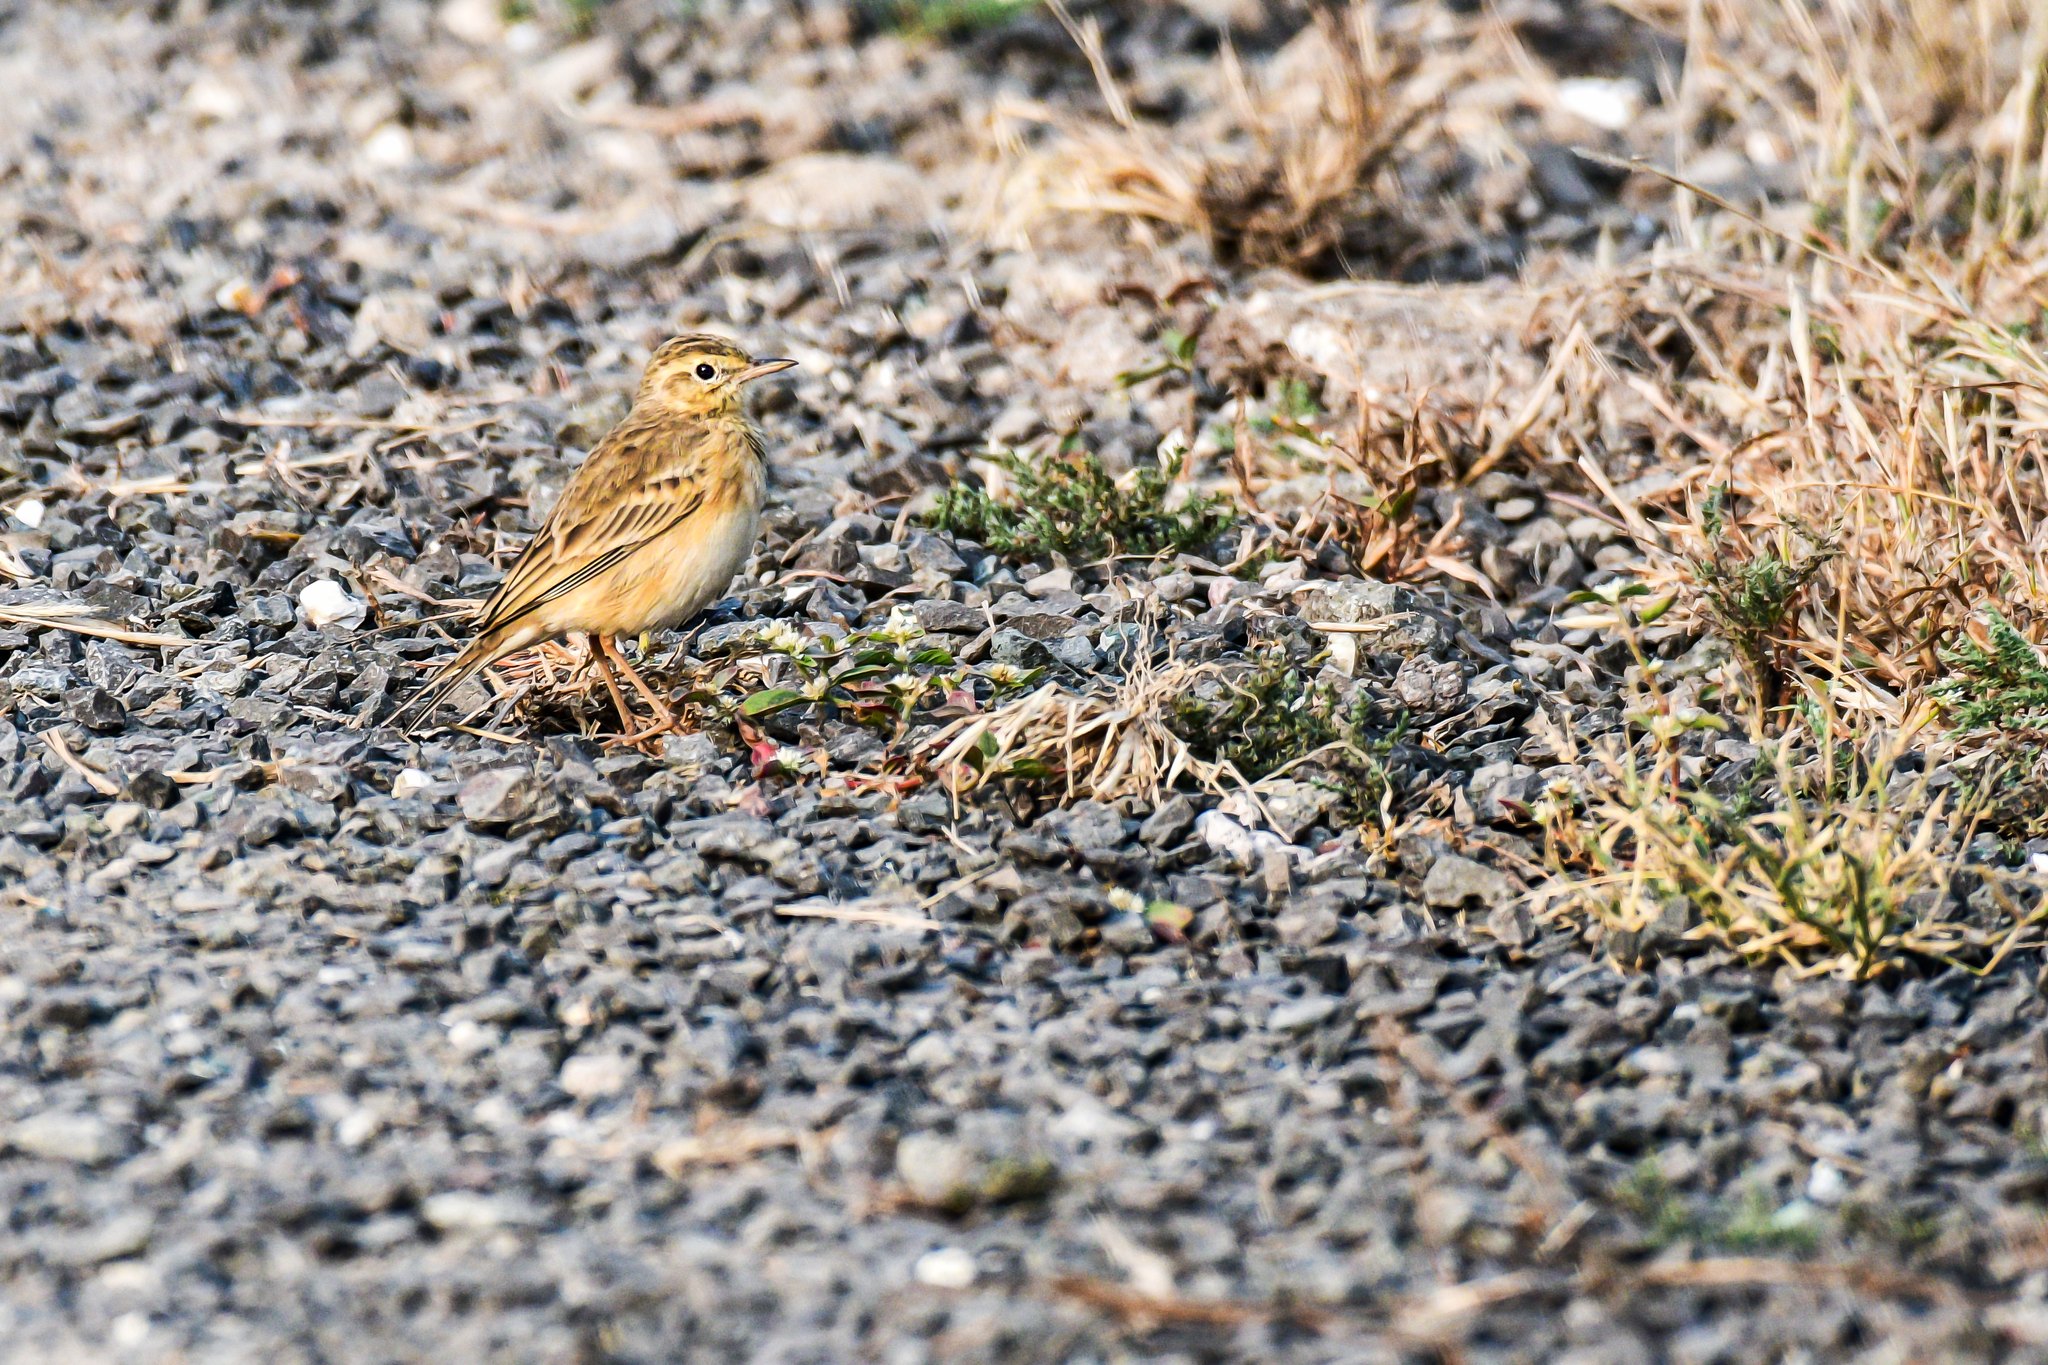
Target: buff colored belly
666, 583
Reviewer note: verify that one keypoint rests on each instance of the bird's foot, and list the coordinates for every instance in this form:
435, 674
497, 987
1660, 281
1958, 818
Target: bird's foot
664, 721
654, 700
646, 741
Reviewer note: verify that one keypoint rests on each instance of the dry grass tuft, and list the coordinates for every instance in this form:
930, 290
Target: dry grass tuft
1869, 367
1852, 392
1104, 745
1288, 173
1830, 879
1834, 858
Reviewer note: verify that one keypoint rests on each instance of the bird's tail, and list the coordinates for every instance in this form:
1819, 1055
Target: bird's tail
475, 656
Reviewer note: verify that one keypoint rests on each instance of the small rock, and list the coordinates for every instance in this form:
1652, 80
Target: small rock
958, 1174
501, 796
948, 618
420, 955
1294, 1016
1306, 926
1825, 1184
1044, 627
594, 1076
1511, 924
1246, 847
96, 709
1502, 793
468, 1211
730, 638
1051, 582
1429, 686
152, 789
1015, 648
125, 1234
933, 1166
85, 1139
1291, 807
1128, 934
402, 319
1169, 823
324, 602
322, 781
1453, 881
1073, 651
1603, 101
1443, 1214
945, 1268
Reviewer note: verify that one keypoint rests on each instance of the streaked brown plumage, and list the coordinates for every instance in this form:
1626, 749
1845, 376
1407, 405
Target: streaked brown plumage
651, 528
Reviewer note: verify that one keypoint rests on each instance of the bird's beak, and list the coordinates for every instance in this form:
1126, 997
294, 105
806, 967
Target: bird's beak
762, 368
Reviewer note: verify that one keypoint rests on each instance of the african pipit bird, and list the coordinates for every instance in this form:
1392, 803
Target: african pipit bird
650, 530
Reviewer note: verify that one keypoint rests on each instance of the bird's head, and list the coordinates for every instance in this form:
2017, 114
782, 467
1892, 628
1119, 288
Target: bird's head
700, 375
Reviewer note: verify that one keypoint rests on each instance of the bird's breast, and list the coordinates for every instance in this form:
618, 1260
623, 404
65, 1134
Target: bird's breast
670, 580
694, 564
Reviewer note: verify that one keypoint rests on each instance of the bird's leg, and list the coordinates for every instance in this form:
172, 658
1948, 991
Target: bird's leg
664, 719
594, 643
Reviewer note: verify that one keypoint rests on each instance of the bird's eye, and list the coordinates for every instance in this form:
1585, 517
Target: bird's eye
707, 372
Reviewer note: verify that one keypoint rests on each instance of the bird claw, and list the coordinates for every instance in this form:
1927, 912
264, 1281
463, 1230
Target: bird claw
643, 740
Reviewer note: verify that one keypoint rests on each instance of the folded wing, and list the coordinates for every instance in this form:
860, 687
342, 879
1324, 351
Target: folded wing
634, 489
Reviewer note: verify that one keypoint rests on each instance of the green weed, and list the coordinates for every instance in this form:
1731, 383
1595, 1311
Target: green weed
1270, 717
945, 18
1178, 358
2003, 687
578, 16
1751, 592
881, 677
1070, 505
1749, 1222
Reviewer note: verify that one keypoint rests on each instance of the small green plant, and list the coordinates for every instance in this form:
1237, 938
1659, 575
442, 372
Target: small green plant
2005, 792
1840, 872
2000, 687
1270, 717
1179, 358
1750, 1222
1901, 1231
1293, 405
1832, 853
880, 677
945, 18
1069, 504
578, 16
1751, 592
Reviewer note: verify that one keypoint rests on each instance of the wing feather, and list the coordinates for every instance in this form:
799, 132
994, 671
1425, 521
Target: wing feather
639, 484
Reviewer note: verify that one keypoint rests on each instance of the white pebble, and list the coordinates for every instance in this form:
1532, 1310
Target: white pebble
408, 781
325, 602
1605, 103
356, 1127
1826, 1185
29, 513
212, 98
945, 1268
390, 146
1248, 847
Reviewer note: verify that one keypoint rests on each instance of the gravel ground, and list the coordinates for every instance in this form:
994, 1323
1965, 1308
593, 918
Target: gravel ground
327, 1043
